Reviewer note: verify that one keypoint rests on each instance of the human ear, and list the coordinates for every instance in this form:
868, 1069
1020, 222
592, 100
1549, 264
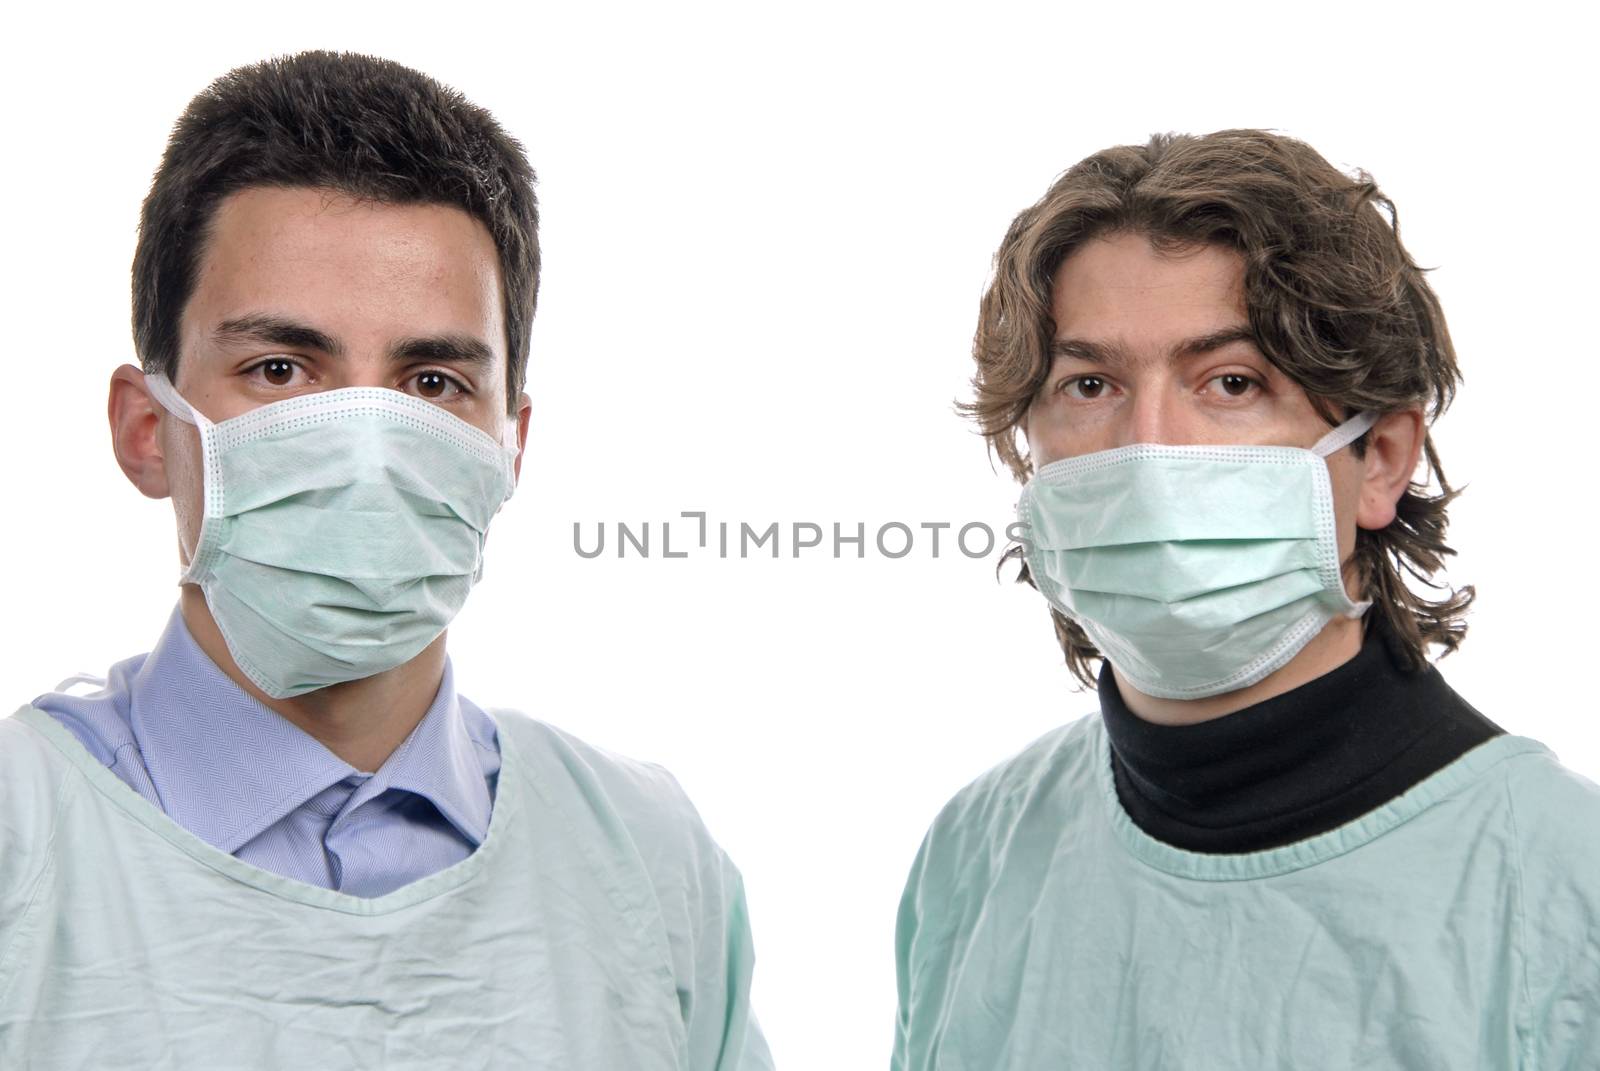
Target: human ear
136, 432
523, 418
1394, 446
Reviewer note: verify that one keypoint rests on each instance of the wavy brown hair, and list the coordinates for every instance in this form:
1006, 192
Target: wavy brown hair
1334, 301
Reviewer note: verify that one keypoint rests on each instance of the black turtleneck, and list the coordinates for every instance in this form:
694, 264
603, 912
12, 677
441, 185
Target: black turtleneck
1292, 766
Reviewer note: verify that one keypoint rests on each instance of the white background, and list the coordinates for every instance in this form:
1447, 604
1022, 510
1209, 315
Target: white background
765, 237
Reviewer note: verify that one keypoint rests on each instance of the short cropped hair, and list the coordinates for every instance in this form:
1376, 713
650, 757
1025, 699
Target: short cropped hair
357, 125
1334, 301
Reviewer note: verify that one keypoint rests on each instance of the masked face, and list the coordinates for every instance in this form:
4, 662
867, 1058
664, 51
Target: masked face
1155, 347
1176, 512
339, 442
304, 290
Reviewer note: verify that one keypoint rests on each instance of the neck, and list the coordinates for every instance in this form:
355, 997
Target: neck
360, 721
1337, 643
1293, 765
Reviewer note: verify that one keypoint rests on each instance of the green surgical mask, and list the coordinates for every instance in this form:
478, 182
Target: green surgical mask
1195, 570
342, 529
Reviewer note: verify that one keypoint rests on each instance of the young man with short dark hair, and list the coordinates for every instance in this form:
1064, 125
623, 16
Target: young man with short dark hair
282, 838
1285, 842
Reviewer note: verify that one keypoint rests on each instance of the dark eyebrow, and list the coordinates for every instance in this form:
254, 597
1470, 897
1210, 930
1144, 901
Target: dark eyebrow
1084, 350
1113, 356
291, 334
1215, 340
276, 331
444, 349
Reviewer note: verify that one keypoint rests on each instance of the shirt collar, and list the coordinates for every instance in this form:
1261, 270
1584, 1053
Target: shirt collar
1259, 776
226, 767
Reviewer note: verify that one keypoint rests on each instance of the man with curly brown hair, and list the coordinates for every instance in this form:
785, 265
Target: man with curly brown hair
1285, 841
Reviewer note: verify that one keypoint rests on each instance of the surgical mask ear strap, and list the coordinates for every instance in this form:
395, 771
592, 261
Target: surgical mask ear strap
1345, 433
162, 390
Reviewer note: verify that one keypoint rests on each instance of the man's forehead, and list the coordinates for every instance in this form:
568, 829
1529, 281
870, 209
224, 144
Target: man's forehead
1120, 295
1128, 266
301, 266
302, 222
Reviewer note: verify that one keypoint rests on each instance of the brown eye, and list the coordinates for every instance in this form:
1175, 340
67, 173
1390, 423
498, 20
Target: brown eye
435, 385
278, 371
1088, 386
1234, 385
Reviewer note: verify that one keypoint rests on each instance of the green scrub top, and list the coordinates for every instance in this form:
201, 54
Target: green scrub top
597, 926
1455, 927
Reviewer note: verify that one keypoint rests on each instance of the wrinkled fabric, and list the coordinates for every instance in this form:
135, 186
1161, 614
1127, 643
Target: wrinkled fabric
177, 730
598, 926
1456, 927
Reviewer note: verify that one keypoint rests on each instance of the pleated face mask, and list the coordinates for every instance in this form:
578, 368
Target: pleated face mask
342, 529
1196, 570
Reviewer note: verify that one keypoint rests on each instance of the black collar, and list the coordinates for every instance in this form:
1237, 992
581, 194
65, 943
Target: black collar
1292, 766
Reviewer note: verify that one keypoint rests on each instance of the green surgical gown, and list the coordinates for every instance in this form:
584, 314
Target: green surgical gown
1455, 927
598, 926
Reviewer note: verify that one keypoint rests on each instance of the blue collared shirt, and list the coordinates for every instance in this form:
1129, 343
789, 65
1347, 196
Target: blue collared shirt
246, 780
